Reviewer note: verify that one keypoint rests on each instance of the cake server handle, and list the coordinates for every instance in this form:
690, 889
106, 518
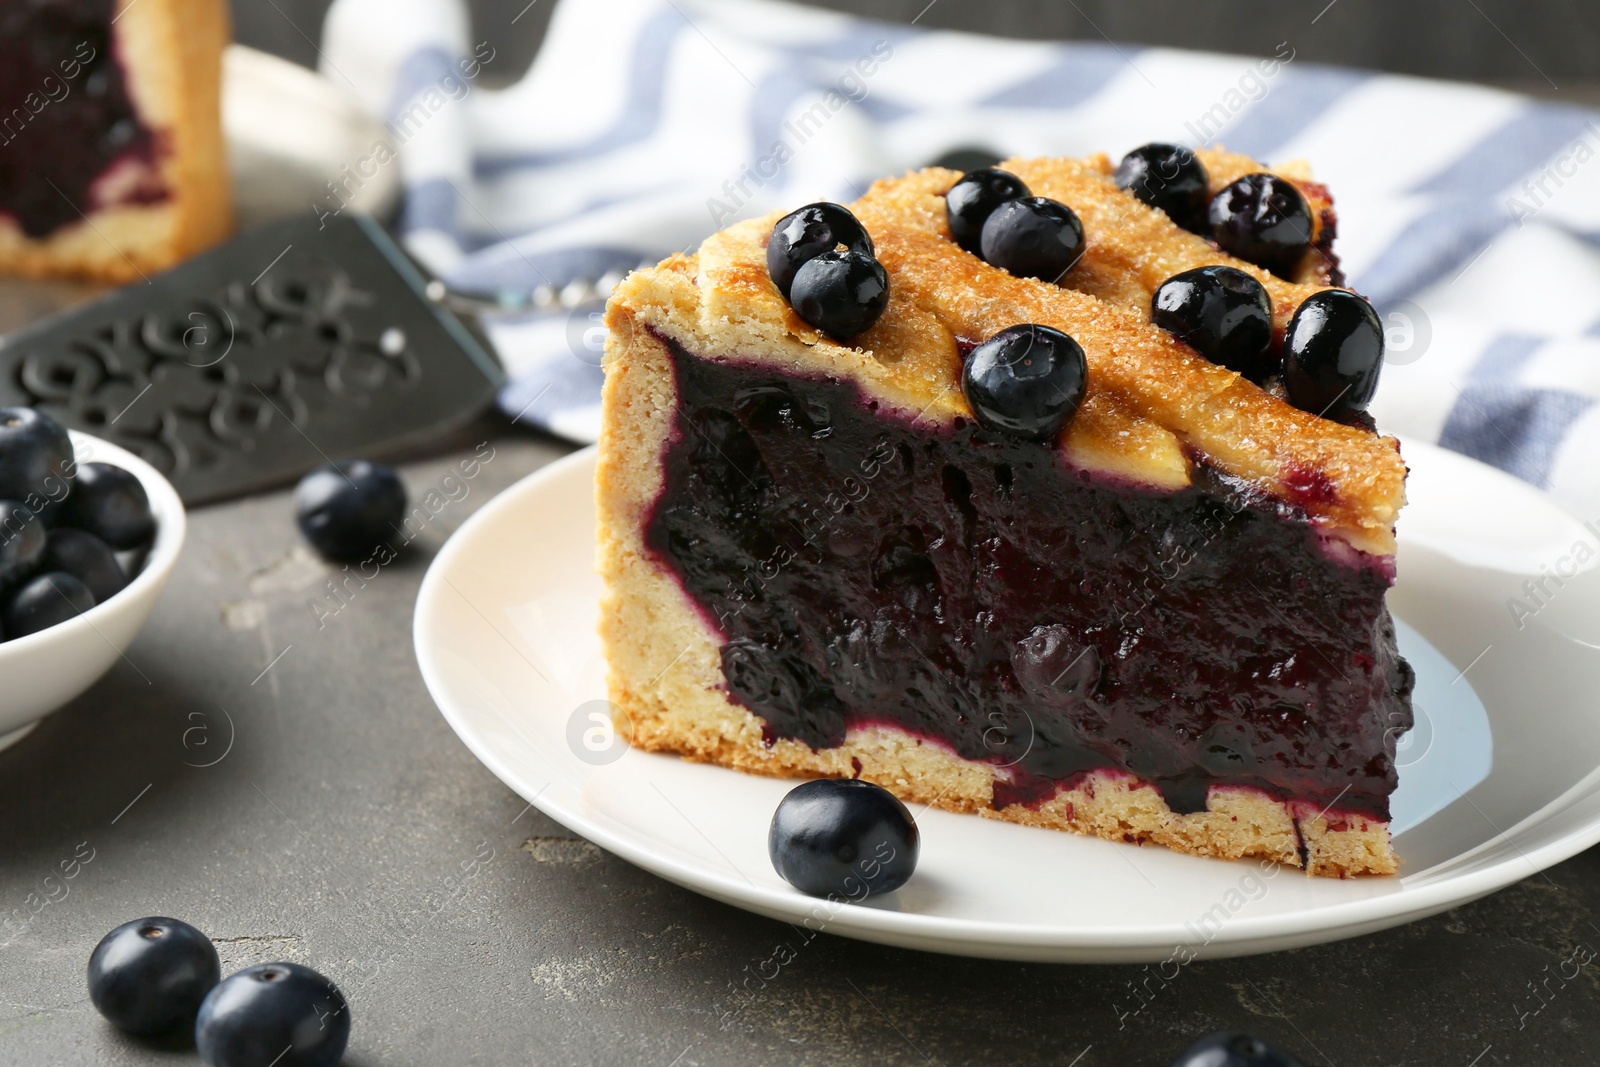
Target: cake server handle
544, 299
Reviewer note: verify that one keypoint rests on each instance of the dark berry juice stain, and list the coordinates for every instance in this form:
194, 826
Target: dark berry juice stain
978, 592
66, 116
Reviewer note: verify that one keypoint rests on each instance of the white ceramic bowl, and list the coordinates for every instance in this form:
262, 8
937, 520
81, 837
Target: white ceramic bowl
41, 672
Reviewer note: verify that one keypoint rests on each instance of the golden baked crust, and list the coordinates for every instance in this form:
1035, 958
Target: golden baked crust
172, 52
1152, 402
1153, 406
665, 675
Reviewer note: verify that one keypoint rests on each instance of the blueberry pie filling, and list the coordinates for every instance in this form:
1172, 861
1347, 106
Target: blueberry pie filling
74, 140
1106, 554
981, 593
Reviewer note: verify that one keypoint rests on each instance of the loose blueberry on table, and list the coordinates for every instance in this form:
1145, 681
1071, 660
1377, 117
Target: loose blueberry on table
841, 291
150, 975
1033, 237
1234, 1050
971, 201
273, 1015
1264, 219
348, 509
1167, 177
1026, 381
1332, 354
843, 837
806, 233
110, 503
1220, 312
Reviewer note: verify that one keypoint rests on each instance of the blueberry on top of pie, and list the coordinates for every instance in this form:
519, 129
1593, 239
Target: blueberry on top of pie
1004, 541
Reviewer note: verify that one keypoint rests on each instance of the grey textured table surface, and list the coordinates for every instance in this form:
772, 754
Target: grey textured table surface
348, 828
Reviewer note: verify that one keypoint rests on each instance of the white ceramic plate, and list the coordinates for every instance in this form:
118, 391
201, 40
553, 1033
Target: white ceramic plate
1498, 781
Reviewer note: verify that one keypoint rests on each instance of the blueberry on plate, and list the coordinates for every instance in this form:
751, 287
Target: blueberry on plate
1233, 1050
1026, 381
1264, 219
806, 233
1170, 178
971, 201
22, 543
1332, 354
1220, 312
35, 456
278, 1014
347, 509
841, 293
844, 837
149, 976
42, 602
110, 503
86, 558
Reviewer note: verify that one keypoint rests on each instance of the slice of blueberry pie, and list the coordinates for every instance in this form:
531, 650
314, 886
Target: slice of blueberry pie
112, 160
1045, 492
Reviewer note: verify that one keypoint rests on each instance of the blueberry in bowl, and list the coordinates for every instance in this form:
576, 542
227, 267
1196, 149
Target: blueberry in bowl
73, 598
43, 601
85, 557
36, 457
22, 543
109, 502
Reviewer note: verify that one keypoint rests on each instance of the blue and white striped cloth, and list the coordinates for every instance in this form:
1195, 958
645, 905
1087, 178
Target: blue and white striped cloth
1470, 216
